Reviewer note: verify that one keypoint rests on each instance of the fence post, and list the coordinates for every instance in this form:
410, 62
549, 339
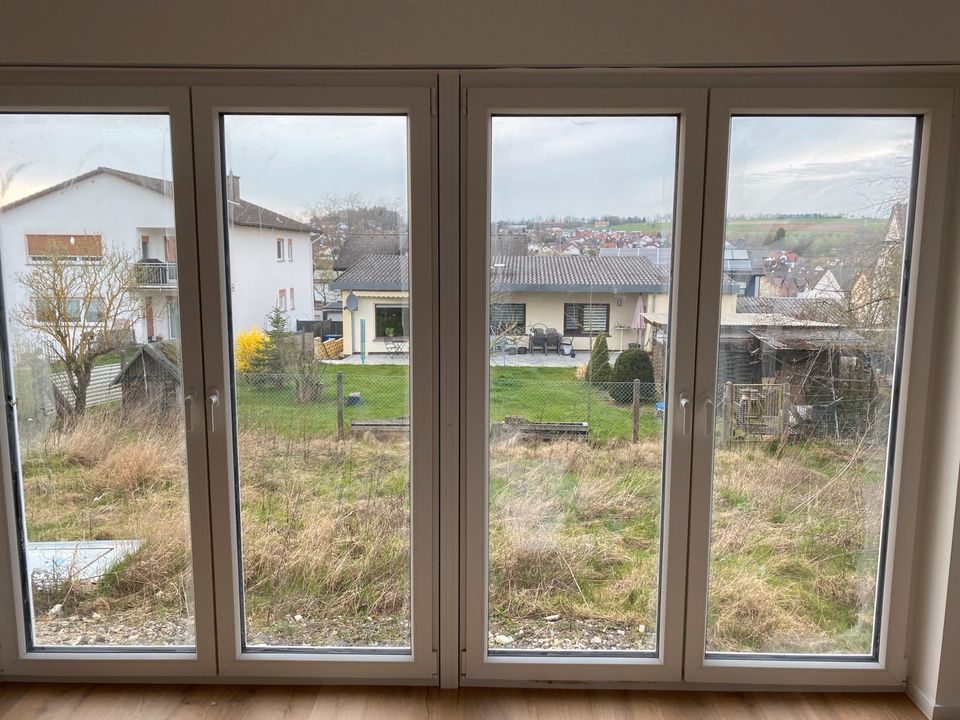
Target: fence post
636, 410
340, 403
785, 412
727, 413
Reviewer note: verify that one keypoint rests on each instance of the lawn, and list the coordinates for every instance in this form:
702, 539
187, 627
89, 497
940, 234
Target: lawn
537, 394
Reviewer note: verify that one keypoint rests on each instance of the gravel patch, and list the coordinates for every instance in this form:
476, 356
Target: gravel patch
554, 632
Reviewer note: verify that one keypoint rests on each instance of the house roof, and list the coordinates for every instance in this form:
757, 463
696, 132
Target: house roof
241, 211
533, 273
536, 273
375, 272
578, 273
166, 353
360, 245
735, 260
751, 320
809, 338
820, 309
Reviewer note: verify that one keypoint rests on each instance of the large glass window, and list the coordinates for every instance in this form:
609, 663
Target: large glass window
818, 222
322, 419
85, 206
580, 240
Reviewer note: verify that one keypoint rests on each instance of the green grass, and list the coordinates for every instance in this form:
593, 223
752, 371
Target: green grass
814, 238
650, 228
537, 394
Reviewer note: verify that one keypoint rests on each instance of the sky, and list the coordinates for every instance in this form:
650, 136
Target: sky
541, 166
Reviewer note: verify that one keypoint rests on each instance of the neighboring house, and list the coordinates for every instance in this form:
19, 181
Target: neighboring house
360, 245
578, 296
738, 263
825, 285
107, 209
875, 295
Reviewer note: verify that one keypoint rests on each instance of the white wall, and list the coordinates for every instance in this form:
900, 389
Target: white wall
934, 638
492, 32
119, 211
366, 311
256, 276
101, 205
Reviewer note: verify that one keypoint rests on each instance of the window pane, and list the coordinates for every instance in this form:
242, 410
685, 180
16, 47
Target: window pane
84, 210
322, 418
817, 228
581, 238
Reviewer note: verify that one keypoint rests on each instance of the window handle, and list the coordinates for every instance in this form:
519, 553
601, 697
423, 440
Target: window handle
213, 399
709, 421
684, 404
188, 412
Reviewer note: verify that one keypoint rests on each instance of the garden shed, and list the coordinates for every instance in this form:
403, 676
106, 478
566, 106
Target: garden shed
151, 378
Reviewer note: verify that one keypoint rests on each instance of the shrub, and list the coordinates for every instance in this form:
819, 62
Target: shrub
598, 369
632, 365
250, 353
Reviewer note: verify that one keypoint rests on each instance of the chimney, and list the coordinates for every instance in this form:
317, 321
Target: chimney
233, 186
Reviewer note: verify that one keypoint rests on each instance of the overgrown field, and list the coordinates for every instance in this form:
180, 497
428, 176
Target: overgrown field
574, 532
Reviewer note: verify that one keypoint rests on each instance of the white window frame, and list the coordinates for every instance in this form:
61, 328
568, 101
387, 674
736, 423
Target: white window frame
279, 249
457, 140
289, 249
483, 102
405, 93
18, 661
934, 106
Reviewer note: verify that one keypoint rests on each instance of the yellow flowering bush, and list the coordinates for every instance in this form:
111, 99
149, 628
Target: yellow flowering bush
251, 349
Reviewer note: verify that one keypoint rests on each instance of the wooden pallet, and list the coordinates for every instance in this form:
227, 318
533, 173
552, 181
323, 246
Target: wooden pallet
525, 430
387, 427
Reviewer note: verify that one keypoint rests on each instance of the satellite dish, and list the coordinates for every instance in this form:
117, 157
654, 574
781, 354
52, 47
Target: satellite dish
352, 302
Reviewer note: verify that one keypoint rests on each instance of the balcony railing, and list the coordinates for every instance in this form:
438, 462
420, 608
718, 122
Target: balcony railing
155, 273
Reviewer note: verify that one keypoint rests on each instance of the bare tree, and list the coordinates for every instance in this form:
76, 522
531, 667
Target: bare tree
81, 309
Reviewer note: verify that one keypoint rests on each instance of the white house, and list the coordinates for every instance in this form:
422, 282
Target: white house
577, 296
107, 209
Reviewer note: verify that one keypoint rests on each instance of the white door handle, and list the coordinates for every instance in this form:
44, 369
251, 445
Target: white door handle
213, 399
684, 404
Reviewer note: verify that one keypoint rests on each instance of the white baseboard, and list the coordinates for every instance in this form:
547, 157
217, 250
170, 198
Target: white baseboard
929, 708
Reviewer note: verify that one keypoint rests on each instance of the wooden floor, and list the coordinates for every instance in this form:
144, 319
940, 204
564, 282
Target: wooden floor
218, 702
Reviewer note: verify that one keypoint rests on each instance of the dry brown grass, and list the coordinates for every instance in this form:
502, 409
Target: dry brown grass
574, 530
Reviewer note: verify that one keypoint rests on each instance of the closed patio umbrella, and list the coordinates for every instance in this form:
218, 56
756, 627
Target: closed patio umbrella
639, 322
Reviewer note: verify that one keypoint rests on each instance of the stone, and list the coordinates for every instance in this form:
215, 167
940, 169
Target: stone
503, 640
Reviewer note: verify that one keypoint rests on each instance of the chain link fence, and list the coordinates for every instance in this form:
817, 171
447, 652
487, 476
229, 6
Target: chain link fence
753, 412
348, 399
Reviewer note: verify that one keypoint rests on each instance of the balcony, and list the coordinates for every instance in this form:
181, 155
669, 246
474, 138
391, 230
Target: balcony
155, 273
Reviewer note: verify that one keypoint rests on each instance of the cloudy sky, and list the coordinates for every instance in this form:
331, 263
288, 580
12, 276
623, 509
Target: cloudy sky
581, 166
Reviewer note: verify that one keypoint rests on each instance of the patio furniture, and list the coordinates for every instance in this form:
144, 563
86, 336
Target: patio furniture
566, 346
538, 339
396, 347
552, 341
